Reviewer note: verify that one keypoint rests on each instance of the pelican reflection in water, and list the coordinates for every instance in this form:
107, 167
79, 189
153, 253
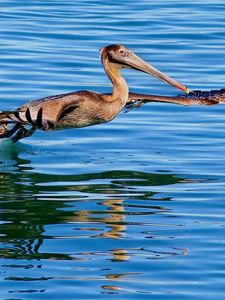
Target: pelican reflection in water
82, 108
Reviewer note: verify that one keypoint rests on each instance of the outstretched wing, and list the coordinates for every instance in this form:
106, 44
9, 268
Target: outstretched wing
193, 98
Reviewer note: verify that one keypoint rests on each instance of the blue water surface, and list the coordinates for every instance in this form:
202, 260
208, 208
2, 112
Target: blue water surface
132, 209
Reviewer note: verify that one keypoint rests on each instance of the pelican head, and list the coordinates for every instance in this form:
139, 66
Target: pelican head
124, 58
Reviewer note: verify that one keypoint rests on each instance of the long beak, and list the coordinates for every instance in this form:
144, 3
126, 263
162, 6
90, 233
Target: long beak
137, 63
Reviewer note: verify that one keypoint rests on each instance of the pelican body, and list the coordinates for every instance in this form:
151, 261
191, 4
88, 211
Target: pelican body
82, 108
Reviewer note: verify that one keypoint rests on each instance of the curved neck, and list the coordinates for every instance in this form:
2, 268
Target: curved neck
120, 87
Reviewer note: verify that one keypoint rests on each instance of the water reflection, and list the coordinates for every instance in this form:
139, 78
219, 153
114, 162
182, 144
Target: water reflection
37, 207
89, 220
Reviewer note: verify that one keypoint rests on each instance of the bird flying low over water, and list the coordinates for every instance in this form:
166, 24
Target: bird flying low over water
86, 108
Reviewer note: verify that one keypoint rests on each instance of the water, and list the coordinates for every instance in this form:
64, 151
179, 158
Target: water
132, 209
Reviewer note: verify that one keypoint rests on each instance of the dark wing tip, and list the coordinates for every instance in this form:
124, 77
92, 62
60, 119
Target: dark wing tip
28, 116
39, 119
210, 95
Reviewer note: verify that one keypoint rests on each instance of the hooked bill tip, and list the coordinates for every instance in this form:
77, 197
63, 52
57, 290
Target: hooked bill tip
187, 91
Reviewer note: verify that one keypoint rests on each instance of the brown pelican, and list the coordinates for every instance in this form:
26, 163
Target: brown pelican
82, 108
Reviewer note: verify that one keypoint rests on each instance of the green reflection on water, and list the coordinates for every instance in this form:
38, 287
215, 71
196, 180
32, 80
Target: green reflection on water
32, 201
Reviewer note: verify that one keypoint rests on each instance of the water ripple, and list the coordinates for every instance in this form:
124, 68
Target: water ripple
130, 209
